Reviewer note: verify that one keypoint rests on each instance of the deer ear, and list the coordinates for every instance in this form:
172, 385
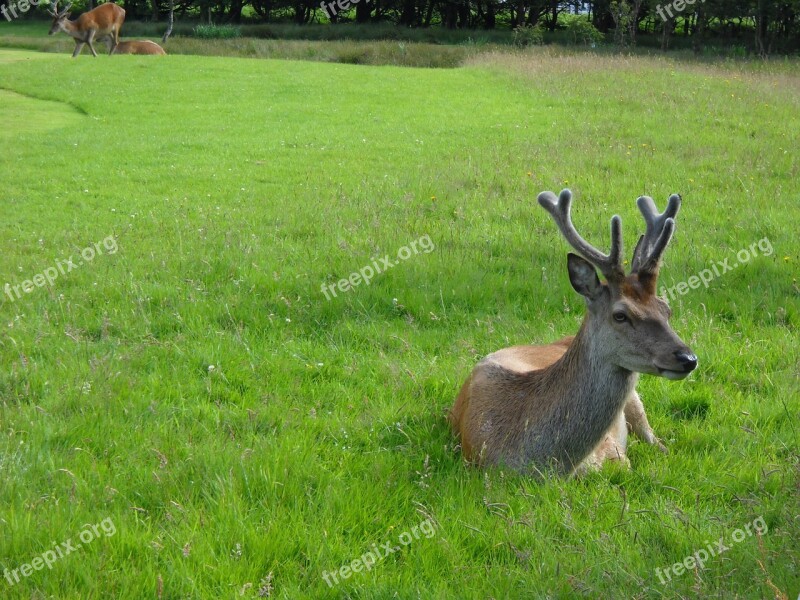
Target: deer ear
583, 277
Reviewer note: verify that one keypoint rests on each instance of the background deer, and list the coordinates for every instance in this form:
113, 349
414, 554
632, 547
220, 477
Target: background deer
143, 47
104, 21
563, 407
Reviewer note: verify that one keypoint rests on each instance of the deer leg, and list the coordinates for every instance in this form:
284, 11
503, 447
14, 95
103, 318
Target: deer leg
109, 41
637, 422
113, 41
89, 39
611, 447
78, 48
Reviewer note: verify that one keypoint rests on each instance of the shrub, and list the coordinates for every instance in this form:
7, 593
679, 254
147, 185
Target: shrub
528, 35
582, 31
216, 32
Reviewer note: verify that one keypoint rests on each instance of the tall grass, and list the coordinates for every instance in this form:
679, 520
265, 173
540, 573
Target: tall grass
216, 32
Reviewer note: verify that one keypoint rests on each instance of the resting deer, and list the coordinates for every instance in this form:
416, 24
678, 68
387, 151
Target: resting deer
143, 47
104, 21
563, 408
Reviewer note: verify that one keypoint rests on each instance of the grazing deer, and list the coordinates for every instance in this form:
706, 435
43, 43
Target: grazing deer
143, 47
563, 408
104, 21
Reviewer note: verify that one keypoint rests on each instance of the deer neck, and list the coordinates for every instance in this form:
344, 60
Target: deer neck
71, 28
591, 391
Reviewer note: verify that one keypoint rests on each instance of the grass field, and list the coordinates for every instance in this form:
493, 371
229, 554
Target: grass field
372, 44
231, 433
33, 36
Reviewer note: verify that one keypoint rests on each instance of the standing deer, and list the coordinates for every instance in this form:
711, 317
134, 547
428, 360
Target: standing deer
562, 408
104, 21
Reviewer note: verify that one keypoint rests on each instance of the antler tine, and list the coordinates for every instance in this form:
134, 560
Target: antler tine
650, 266
54, 10
66, 9
652, 245
610, 265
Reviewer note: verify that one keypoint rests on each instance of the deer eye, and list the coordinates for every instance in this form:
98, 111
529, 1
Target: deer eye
620, 317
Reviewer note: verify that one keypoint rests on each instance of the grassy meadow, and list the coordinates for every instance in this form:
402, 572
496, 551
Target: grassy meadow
231, 433
33, 36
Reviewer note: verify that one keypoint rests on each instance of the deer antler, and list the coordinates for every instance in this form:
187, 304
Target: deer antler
55, 12
660, 226
610, 265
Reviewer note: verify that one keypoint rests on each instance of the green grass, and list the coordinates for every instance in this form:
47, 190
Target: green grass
32, 116
236, 188
349, 43
33, 36
289, 31
714, 44
217, 31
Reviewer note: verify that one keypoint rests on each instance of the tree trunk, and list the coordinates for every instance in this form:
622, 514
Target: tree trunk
666, 30
170, 21
450, 16
490, 20
762, 29
429, 13
235, 12
518, 14
464, 14
408, 14
363, 10
699, 31
633, 24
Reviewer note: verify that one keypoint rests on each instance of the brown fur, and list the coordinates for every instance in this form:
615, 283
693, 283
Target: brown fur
104, 21
143, 47
567, 406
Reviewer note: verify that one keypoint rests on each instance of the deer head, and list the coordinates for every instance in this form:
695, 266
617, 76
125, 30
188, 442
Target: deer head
627, 323
59, 18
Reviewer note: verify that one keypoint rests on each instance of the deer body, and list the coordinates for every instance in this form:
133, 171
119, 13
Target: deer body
567, 406
143, 47
557, 414
105, 21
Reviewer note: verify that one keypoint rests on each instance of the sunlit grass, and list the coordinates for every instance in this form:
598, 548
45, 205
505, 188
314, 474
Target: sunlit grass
245, 433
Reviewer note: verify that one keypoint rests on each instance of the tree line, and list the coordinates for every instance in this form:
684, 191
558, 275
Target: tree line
767, 23
763, 25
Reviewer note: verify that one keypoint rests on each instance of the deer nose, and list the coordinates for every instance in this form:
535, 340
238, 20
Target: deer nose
687, 359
